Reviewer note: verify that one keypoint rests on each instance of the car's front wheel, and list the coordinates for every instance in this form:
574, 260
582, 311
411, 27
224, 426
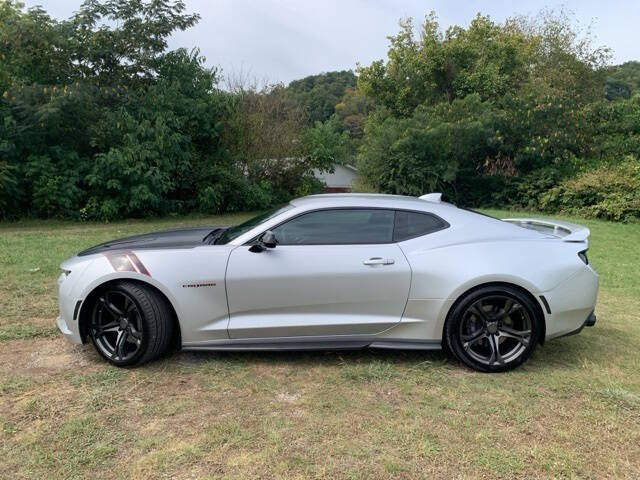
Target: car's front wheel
131, 324
493, 329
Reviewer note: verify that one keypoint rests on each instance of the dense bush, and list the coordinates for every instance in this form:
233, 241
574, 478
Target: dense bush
608, 191
615, 128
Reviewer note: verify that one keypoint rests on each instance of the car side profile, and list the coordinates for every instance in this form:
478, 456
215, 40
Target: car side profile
336, 271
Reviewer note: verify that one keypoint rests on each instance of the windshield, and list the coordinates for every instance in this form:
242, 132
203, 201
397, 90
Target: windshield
234, 232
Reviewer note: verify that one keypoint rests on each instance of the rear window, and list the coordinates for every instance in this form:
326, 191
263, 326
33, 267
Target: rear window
415, 224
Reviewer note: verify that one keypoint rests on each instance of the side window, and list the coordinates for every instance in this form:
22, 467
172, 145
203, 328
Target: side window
415, 224
338, 227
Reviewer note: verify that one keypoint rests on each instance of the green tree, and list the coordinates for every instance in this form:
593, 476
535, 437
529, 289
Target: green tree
485, 59
623, 81
426, 151
352, 111
99, 120
319, 94
326, 144
483, 109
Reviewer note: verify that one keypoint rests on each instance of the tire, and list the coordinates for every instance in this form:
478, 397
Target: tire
493, 329
130, 324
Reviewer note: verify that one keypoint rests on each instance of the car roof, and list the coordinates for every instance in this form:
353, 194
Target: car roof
477, 223
376, 200
463, 223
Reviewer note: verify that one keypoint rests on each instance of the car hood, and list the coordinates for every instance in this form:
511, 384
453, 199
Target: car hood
181, 238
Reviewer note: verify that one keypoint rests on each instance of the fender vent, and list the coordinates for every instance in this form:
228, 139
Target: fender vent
546, 304
76, 309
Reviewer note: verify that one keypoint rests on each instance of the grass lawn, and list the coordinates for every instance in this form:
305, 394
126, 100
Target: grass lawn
572, 411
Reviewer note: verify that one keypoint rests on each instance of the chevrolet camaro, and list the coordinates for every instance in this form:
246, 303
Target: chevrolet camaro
336, 271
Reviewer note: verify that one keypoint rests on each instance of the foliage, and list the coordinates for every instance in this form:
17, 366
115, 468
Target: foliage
494, 114
485, 59
609, 191
425, 151
352, 111
615, 128
271, 143
326, 144
263, 130
623, 81
8, 172
319, 94
100, 120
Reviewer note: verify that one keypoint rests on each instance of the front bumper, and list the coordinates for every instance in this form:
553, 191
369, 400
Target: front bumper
70, 335
67, 320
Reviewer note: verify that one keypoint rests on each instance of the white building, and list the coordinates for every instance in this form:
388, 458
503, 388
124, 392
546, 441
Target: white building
341, 180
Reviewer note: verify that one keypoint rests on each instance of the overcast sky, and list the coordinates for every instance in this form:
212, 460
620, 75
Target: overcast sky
281, 40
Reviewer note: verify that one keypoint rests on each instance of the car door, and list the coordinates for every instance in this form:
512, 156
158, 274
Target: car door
333, 272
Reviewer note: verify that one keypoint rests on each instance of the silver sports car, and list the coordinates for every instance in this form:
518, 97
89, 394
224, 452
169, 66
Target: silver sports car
336, 271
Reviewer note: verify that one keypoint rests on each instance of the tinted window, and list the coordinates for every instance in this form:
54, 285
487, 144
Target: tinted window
415, 224
237, 230
337, 227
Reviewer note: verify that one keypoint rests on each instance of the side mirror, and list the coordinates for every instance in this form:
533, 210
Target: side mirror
269, 239
266, 240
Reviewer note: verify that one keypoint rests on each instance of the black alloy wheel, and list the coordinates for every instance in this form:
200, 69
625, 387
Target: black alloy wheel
493, 329
130, 323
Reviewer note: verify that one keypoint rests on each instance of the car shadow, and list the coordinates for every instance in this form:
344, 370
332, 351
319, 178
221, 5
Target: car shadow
559, 354
320, 357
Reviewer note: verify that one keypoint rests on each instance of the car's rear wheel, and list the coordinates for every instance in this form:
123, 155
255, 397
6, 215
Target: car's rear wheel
493, 329
131, 324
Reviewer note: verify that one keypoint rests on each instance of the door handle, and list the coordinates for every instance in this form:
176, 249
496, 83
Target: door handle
379, 261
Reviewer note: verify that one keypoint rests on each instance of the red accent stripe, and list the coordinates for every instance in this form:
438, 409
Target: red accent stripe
138, 264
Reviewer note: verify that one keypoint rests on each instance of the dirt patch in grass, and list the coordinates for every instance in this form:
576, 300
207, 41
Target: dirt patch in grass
44, 355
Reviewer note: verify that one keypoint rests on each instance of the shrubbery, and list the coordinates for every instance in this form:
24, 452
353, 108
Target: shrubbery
608, 191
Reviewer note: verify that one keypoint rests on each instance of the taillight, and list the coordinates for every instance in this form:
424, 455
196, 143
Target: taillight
583, 257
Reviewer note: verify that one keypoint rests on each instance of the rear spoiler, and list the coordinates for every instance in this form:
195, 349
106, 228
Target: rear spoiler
569, 232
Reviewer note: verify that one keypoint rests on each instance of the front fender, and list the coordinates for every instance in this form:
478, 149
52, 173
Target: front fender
191, 279
100, 272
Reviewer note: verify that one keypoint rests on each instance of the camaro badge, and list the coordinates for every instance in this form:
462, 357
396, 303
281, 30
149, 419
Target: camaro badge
198, 285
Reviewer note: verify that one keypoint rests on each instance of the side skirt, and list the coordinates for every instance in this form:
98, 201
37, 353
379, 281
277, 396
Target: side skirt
244, 345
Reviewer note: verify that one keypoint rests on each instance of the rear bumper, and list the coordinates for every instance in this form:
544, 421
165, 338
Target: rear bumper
572, 304
590, 321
